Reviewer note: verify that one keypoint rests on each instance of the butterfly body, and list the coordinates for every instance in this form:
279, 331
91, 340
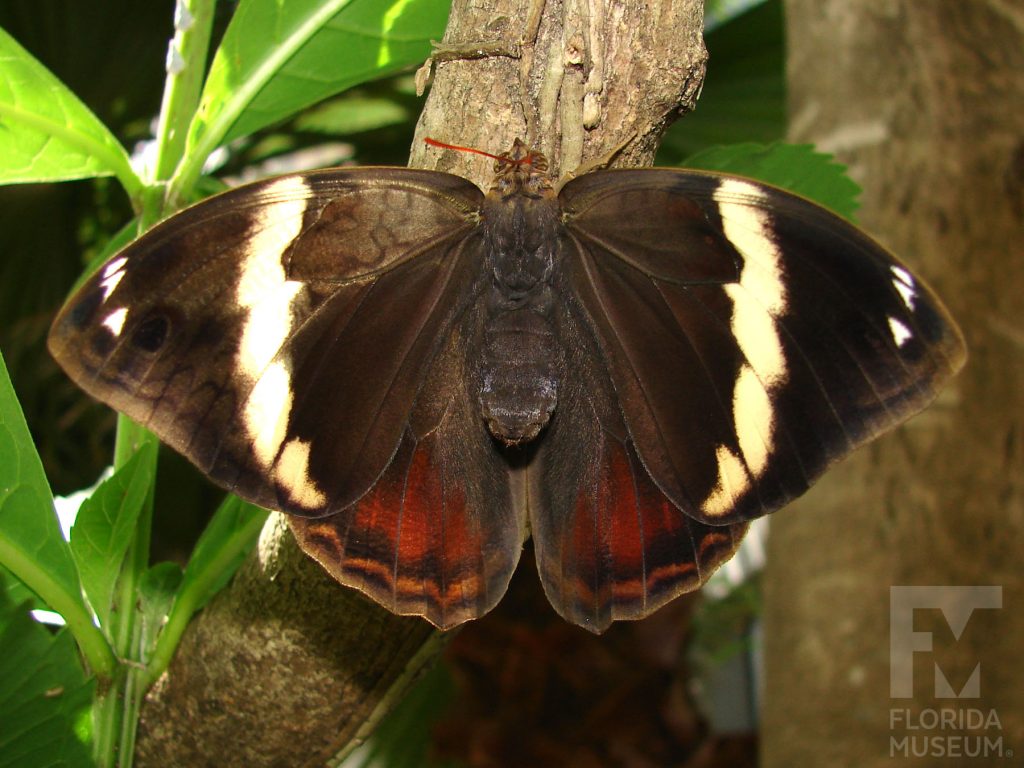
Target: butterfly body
520, 356
629, 366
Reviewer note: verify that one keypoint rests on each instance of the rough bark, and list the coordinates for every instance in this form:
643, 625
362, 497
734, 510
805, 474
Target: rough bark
285, 667
281, 669
595, 74
923, 100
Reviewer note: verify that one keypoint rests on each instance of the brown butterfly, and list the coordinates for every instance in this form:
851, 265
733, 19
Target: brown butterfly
628, 366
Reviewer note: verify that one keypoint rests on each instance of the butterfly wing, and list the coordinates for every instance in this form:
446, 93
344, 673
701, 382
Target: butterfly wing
280, 335
439, 535
750, 339
610, 545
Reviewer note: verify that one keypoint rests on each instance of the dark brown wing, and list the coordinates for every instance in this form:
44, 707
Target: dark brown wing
284, 336
752, 337
305, 308
736, 340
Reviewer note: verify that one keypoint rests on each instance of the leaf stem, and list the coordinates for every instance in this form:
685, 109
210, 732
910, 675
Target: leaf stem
204, 137
116, 711
92, 642
193, 21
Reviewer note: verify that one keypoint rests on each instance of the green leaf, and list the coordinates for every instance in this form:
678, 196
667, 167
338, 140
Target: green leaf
44, 694
31, 543
744, 95
797, 168
105, 528
16, 593
355, 114
46, 133
32, 546
277, 58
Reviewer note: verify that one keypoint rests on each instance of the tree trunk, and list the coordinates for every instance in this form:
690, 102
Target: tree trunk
285, 667
924, 101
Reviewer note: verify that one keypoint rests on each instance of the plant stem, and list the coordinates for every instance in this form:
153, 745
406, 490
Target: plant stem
116, 709
107, 712
193, 20
91, 641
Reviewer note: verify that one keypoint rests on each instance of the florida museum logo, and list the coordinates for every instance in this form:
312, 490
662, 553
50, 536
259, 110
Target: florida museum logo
956, 726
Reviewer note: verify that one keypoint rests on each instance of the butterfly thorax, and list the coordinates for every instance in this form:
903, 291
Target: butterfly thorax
519, 360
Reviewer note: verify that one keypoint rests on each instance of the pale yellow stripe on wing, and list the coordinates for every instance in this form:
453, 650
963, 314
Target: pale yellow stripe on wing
757, 299
263, 288
270, 300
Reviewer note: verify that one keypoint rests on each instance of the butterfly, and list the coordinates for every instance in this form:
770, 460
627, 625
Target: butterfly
627, 366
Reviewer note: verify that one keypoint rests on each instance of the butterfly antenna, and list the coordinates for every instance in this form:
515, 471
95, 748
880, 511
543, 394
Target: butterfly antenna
443, 145
530, 158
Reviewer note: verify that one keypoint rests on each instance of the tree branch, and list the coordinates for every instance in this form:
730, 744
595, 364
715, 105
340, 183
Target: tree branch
281, 668
596, 73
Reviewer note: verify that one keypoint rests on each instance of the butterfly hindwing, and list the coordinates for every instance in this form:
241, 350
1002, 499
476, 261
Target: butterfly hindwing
774, 340
439, 534
610, 545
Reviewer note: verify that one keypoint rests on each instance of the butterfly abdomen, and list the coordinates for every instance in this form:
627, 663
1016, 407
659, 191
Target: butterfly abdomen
518, 370
520, 357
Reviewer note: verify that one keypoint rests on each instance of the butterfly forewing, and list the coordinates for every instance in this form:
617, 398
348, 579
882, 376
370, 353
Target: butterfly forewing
200, 329
738, 394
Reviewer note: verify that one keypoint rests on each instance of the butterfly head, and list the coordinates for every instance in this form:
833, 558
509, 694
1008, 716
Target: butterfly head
521, 170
